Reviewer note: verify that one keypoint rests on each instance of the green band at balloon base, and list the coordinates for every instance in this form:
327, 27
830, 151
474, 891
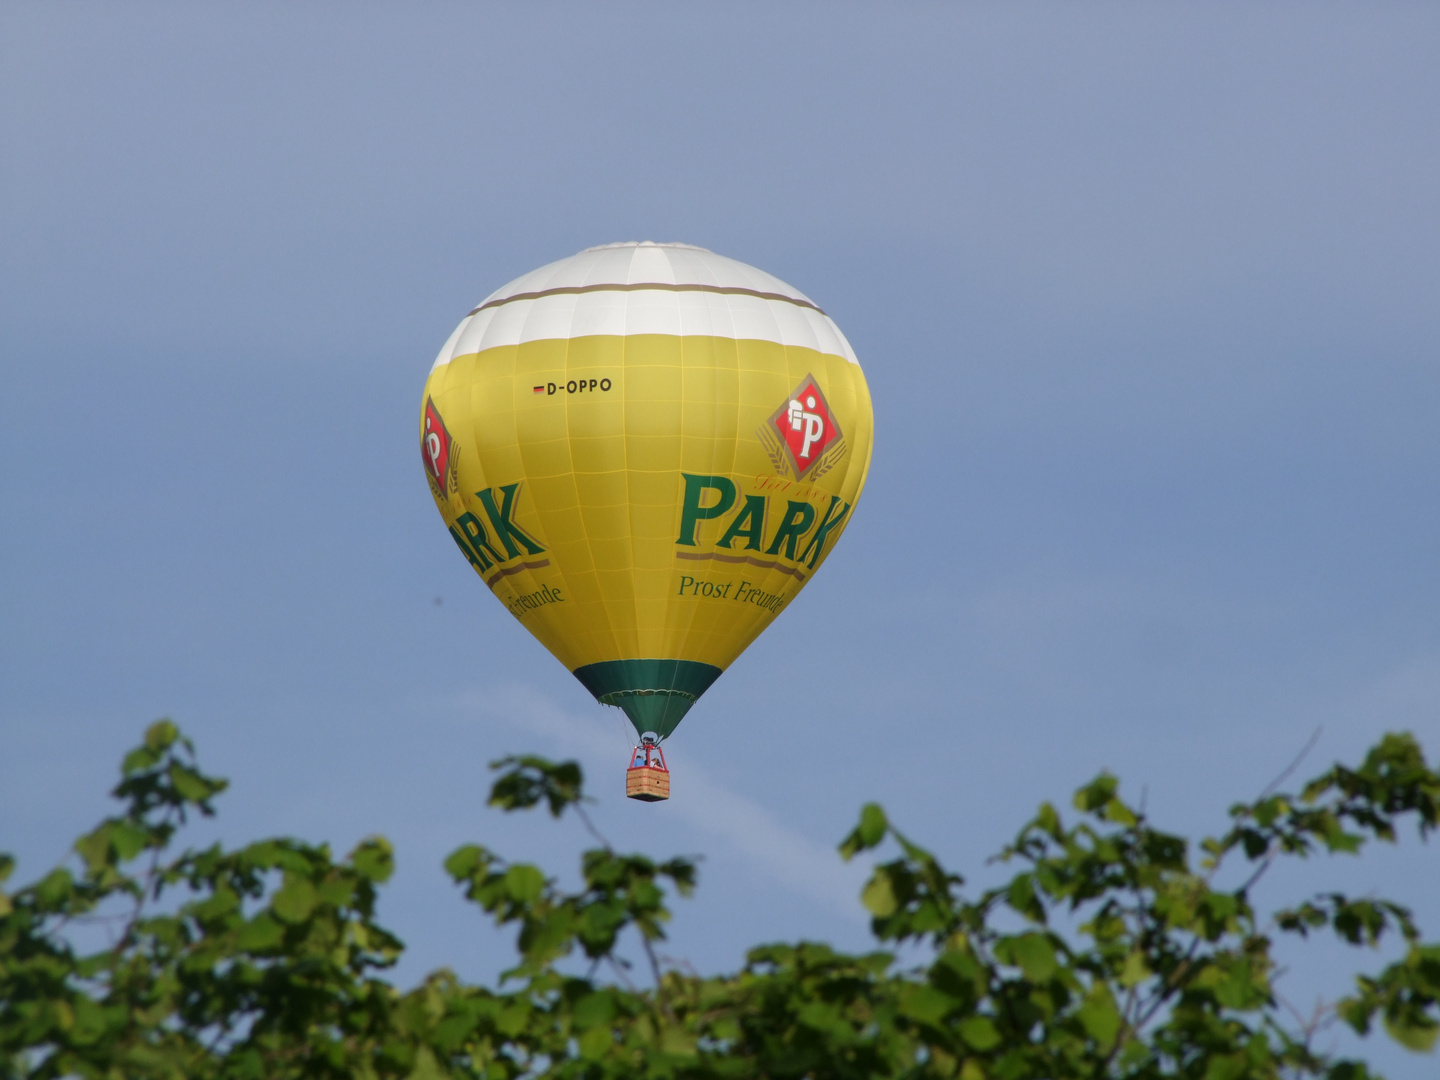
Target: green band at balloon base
655, 694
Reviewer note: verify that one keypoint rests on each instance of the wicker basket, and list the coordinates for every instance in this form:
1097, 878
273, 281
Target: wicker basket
646, 784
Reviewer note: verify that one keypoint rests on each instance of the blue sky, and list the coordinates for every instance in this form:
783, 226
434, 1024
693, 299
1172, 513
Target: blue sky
1147, 300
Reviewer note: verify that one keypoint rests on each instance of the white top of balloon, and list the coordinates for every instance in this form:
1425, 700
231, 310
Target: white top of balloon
646, 288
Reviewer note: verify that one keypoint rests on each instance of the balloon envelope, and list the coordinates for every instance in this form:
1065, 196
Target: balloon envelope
646, 451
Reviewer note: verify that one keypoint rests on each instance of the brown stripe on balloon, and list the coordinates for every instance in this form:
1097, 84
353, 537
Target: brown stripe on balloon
648, 286
717, 557
515, 570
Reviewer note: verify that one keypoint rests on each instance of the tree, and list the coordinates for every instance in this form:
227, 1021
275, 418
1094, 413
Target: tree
1112, 951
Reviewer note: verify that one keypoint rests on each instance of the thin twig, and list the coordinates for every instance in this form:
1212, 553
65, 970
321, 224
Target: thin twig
1254, 878
1142, 931
619, 970
650, 955
1265, 793
1295, 1015
144, 893
1170, 985
679, 963
590, 828
1304, 753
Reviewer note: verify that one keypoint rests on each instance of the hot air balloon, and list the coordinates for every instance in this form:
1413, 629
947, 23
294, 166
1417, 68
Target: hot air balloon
646, 451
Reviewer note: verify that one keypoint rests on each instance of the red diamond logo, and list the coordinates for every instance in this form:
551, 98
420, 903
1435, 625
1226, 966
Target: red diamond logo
435, 446
806, 427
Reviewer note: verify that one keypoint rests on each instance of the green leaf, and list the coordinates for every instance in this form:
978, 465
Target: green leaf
1048, 820
55, 888
1020, 895
1119, 813
872, 824
191, 786
1099, 1016
926, 1004
374, 859
524, 883
426, 1067
823, 1017
1243, 985
161, 735
89, 1021
677, 1042
513, 1018
465, 862
62, 1015
94, 847
959, 960
139, 760
296, 899
979, 1032
337, 892
1035, 956
1227, 1067
221, 903
868, 833
129, 840
1135, 970
260, 934
526, 780
878, 896
1416, 1032
1097, 793
596, 1043
593, 1009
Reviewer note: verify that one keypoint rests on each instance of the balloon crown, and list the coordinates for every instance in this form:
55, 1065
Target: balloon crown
648, 243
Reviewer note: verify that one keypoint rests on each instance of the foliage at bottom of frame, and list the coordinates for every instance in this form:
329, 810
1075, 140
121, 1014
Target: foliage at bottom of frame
1112, 951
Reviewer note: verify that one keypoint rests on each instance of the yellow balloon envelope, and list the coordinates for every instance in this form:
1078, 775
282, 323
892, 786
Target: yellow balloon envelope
646, 451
